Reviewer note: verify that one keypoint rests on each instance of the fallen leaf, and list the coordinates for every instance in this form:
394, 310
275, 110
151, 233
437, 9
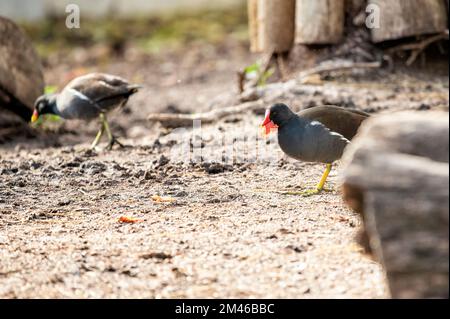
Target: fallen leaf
126, 219
313, 79
161, 199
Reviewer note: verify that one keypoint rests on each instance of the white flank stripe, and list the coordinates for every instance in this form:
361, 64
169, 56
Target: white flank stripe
317, 123
340, 135
80, 95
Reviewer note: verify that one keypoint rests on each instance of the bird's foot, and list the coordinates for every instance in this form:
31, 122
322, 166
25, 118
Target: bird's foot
112, 142
297, 192
93, 148
305, 193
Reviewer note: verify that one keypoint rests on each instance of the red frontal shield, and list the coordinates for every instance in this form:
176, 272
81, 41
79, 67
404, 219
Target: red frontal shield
268, 124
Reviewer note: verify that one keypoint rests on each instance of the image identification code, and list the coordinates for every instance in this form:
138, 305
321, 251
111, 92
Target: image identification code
252, 308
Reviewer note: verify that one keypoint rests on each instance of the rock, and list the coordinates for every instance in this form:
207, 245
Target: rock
163, 160
93, 167
215, 168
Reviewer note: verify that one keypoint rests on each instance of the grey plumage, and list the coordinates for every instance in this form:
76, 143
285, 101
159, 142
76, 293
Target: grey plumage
311, 141
87, 96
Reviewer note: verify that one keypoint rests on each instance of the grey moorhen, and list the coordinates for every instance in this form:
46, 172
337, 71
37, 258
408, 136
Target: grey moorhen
87, 97
318, 134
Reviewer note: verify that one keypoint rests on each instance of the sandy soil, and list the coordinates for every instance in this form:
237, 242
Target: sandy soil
227, 233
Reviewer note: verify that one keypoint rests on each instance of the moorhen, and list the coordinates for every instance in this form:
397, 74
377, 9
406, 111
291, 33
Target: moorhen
317, 134
87, 97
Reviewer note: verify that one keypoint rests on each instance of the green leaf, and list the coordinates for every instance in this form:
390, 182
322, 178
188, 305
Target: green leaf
265, 76
252, 68
46, 118
49, 89
52, 118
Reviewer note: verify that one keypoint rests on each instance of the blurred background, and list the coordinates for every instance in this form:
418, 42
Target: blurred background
28, 10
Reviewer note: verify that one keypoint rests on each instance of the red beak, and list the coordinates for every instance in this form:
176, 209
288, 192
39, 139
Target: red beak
268, 124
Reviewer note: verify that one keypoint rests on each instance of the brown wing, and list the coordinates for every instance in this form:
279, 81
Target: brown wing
343, 121
99, 86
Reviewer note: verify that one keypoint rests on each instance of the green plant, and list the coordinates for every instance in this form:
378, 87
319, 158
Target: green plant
49, 89
254, 70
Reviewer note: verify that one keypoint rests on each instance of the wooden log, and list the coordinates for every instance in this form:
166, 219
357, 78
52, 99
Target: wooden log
355, 12
404, 18
272, 25
396, 175
319, 21
354, 7
186, 120
252, 10
21, 78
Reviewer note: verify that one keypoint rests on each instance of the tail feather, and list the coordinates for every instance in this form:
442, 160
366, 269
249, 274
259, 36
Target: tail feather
133, 88
130, 90
362, 113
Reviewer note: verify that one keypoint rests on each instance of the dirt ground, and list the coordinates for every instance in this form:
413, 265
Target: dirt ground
228, 233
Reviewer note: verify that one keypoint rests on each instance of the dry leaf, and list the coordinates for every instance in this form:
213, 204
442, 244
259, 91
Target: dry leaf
126, 219
313, 79
161, 199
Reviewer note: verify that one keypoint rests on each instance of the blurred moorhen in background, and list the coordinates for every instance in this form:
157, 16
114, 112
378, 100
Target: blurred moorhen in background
87, 97
318, 134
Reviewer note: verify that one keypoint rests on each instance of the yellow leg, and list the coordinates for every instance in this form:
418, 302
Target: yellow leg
99, 135
106, 125
111, 138
324, 178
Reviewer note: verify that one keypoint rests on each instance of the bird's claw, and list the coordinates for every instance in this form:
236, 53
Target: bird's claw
112, 142
305, 193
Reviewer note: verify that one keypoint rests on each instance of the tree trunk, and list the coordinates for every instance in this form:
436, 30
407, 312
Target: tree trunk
319, 21
272, 25
397, 177
404, 18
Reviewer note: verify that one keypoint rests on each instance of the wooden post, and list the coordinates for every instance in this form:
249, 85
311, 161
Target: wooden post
404, 18
272, 25
252, 9
319, 21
